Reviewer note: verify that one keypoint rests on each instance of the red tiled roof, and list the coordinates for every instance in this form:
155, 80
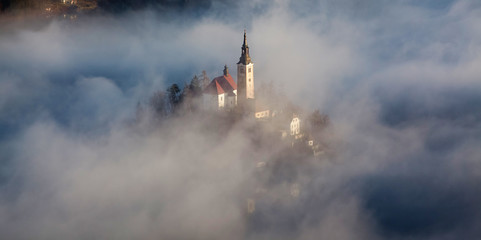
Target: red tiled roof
221, 85
219, 88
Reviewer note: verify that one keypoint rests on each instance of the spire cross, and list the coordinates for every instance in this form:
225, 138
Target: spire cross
245, 37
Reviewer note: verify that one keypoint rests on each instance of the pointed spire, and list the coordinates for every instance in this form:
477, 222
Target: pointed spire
245, 39
245, 58
226, 70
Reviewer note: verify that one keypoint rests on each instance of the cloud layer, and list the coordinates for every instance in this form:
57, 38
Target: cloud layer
400, 81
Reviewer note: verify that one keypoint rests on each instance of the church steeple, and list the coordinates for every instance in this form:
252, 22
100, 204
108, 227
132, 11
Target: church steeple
245, 58
245, 79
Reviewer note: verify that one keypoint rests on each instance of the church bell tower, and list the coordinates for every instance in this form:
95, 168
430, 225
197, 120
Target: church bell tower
245, 78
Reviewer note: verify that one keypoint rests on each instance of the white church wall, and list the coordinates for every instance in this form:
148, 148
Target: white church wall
230, 103
235, 97
218, 102
221, 100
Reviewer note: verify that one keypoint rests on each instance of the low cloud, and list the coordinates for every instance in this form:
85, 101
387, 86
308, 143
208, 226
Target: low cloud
399, 81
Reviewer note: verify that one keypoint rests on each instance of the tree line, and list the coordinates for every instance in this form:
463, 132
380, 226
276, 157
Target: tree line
176, 100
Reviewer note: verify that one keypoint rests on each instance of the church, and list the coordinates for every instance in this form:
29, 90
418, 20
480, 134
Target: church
224, 94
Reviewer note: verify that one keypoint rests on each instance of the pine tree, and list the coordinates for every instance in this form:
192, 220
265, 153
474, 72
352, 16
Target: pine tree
158, 104
205, 79
195, 86
174, 96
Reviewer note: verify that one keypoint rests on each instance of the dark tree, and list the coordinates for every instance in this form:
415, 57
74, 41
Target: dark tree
187, 98
160, 5
195, 86
24, 4
174, 96
318, 121
157, 103
205, 79
4, 5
